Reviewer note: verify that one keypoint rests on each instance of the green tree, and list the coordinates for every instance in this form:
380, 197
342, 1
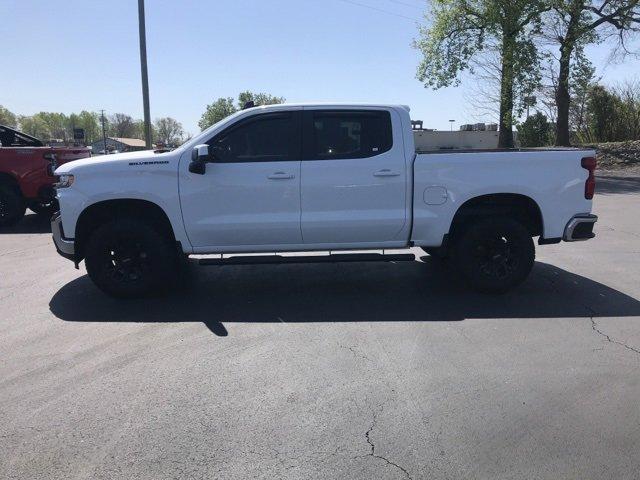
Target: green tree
628, 113
258, 99
603, 107
576, 23
8, 118
582, 79
122, 125
169, 131
610, 113
224, 106
56, 124
90, 122
138, 130
462, 30
45, 125
216, 111
534, 131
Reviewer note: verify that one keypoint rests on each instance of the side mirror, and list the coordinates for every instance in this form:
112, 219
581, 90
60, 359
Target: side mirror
199, 158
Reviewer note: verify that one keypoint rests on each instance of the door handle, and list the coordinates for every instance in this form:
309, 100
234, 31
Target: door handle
280, 176
385, 172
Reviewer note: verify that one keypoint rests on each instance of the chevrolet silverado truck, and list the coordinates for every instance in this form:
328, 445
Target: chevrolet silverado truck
26, 174
296, 178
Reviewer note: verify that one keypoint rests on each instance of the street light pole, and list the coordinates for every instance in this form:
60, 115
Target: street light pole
451, 123
145, 76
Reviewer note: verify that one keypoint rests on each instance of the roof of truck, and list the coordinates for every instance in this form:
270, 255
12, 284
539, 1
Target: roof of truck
330, 105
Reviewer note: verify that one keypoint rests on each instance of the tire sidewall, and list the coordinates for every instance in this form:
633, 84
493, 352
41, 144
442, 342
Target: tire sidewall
160, 253
14, 203
475, 233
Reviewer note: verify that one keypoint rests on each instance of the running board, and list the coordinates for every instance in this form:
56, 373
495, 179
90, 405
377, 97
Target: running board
333, 258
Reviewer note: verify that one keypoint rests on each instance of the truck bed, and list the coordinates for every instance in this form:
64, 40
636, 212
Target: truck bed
445, 180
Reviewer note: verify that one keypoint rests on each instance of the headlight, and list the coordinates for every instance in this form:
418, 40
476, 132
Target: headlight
65, 180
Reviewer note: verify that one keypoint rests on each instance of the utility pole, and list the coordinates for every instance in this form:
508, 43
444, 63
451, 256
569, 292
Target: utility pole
145, 76
104, 135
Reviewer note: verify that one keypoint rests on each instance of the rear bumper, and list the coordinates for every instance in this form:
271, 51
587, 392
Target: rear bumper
580, 227
64, 246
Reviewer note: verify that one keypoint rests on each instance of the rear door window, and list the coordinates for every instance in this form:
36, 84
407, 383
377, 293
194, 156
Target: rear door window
333, 135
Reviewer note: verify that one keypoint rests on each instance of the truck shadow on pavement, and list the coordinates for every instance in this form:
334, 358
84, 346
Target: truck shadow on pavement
355, 292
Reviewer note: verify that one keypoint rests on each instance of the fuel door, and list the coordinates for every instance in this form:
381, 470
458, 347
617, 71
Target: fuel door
435, 195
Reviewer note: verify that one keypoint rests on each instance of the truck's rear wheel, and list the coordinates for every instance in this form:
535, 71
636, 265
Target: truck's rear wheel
494, 255
12, 206
127, 258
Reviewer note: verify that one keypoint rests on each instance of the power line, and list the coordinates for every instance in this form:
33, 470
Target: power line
412, 5
370, 7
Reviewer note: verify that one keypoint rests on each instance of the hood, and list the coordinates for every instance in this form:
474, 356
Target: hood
105, 160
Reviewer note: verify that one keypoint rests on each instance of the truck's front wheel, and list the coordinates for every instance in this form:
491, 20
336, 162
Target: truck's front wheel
495, 254
127, 258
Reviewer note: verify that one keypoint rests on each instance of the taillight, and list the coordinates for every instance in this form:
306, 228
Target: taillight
51, 158
589, 163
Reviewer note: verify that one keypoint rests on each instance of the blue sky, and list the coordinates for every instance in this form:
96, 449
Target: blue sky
69, 55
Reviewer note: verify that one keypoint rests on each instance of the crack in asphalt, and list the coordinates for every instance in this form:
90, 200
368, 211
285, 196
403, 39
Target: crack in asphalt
355, 352
373, 453
594, 327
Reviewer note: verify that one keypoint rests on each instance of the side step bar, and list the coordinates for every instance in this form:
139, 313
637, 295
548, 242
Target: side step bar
334, 258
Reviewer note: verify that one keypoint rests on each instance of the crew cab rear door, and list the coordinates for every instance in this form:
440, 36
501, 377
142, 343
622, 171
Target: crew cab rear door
249, 194
353, 176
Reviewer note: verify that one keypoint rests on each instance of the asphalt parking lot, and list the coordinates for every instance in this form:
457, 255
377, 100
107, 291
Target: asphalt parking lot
355, 371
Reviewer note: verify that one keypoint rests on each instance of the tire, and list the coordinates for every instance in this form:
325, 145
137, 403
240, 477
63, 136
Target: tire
128, 259
494, 255
12, 207
44, 209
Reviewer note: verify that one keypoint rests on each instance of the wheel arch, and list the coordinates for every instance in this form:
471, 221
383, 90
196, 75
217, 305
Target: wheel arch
104, 211
517, 206
10, 180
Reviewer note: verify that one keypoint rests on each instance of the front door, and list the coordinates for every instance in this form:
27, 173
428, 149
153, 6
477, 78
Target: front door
353, 177
250, 192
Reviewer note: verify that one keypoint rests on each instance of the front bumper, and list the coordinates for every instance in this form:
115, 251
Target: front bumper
64, 246
580, 227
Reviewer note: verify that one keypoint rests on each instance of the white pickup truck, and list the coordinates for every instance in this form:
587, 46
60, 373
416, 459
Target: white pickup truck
294, 178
